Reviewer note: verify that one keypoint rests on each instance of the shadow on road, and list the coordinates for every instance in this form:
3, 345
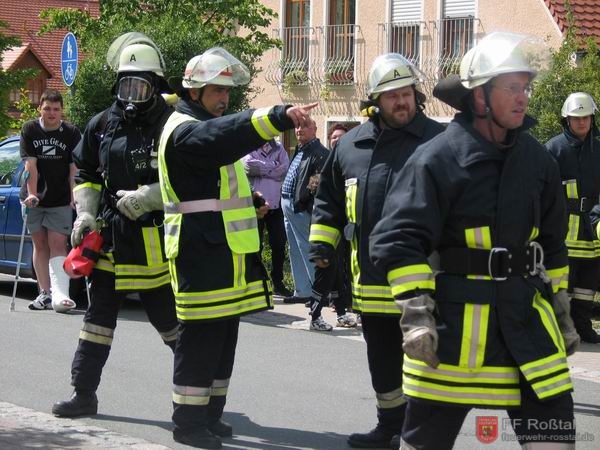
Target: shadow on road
272, 438
587, 409
248, 434
165, 425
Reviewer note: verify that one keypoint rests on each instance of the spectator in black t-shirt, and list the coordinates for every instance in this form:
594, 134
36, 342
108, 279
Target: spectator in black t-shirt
46, 146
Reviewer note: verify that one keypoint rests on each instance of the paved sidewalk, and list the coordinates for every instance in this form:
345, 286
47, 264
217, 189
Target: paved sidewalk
19, 426
44, 431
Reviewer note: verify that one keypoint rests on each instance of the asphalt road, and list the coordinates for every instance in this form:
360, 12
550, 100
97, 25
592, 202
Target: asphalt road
291, 389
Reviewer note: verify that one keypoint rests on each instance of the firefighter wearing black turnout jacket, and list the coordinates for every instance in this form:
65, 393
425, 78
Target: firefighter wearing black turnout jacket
117, 183
211, 235
577, 152
482, 328
347, 206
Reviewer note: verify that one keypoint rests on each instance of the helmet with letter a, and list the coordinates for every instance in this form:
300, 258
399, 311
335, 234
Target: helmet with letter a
575, 112
579, 104
393, 71
140, 70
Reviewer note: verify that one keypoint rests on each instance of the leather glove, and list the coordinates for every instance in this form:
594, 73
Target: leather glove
562, 307
87, 201
418, 327
134, 204
321, 251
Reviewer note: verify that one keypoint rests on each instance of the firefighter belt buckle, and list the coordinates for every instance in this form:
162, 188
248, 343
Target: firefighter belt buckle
582, 202
538, 258
493, 251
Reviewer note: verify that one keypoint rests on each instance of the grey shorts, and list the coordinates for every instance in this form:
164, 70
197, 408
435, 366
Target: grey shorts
58, 219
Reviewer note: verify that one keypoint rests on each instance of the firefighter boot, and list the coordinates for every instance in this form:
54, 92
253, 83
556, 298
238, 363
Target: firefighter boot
389, 424
199, 438
581, 312
81, 403
191, 426
215, 412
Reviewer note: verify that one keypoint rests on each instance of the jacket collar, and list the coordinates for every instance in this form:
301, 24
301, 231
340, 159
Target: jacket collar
306, 148
371, 130
470, 146
185, 106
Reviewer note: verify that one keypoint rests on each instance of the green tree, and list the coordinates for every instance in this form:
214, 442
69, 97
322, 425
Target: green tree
180, 28
27, 110
564, 78
9, 80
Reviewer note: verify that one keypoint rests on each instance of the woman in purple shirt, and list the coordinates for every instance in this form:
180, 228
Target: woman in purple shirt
266, 168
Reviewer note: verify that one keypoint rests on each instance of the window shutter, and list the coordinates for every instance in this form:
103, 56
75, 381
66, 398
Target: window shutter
407, 10
459, 8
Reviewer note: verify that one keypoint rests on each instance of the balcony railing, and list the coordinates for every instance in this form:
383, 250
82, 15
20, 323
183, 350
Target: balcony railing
340, 43
321, 55
401, 37
436, 47
292, 64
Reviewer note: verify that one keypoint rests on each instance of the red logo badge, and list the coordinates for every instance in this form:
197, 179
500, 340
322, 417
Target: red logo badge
487, 429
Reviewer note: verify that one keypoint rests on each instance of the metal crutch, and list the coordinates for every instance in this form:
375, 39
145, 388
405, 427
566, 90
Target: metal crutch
24, 213
18, 269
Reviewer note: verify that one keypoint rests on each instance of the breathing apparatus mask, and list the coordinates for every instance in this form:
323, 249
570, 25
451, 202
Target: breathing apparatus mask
136, 93
140, 68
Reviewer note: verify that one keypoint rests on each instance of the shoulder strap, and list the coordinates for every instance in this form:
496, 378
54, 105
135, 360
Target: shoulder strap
100, 129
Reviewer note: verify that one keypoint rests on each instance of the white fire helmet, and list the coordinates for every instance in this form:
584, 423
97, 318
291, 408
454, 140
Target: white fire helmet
501, 52
135, 52
215, 66
391, 71
579, 104
140, 58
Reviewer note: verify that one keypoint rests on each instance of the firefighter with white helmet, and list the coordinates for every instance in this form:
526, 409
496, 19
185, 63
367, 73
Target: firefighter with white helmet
472, 240
577, 152
347, 206
117, 194
211, 235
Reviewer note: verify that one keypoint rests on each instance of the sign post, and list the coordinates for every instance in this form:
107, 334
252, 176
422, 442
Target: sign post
69, 59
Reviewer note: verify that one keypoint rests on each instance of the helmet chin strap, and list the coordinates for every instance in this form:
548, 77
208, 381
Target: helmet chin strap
489, 117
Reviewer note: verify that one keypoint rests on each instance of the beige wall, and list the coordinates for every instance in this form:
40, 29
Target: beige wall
341, 102
521, 16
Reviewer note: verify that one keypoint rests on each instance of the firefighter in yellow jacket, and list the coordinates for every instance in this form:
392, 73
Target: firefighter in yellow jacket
489, 327
211, 235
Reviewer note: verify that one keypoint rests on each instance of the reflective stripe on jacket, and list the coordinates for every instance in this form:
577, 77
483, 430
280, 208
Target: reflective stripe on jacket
235, 201
577, 163
350, 198
115, 154
460, 191
210, 223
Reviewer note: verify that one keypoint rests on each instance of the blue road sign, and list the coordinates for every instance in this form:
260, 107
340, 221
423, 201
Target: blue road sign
69, 59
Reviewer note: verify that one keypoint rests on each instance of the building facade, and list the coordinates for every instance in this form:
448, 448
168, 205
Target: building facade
328, 46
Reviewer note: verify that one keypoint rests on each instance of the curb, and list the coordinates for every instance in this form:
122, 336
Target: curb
19, 426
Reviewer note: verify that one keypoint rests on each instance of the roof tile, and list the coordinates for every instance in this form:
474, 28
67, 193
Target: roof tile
586, 13
23, 21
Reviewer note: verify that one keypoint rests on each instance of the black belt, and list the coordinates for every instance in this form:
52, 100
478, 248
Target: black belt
288, 196
499, 263
582, 204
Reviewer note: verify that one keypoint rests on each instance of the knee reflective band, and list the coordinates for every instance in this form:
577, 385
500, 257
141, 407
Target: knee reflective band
81, 260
